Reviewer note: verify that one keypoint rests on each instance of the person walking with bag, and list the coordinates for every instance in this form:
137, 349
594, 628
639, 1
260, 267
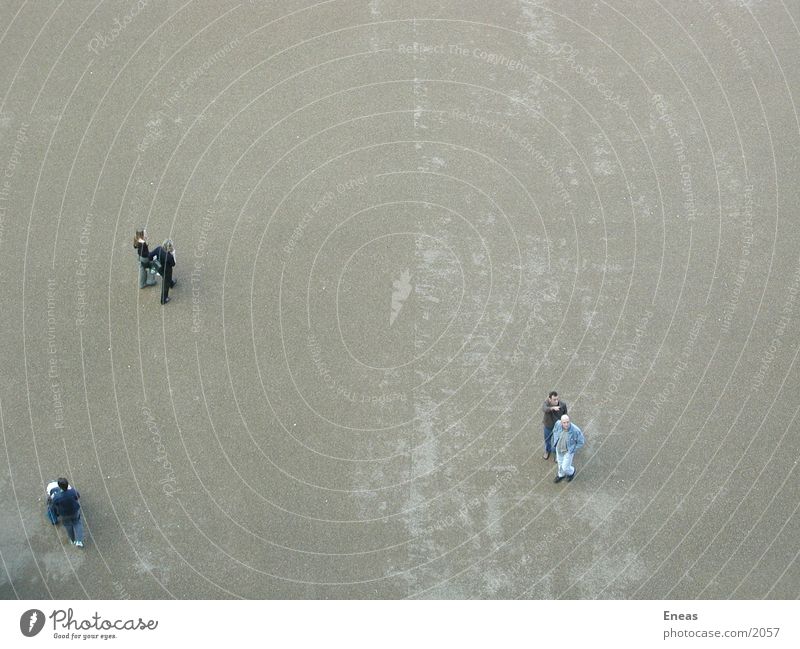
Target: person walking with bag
147, 276
164, 260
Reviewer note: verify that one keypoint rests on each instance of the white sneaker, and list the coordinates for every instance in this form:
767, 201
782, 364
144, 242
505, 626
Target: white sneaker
78, 544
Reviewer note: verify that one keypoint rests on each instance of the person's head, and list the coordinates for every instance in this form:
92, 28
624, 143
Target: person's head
141, 235
553, 397
168, 245
565, 421
63, 483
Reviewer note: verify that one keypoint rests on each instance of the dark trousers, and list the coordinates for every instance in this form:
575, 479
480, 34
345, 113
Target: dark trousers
74, 527
166, 284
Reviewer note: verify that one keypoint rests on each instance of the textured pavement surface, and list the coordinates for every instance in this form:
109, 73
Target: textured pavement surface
398, 226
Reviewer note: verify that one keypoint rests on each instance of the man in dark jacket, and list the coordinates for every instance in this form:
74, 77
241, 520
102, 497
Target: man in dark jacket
164, 260
553, 409
67, 508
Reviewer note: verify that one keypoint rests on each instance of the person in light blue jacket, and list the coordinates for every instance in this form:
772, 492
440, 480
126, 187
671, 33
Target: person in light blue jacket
567, 439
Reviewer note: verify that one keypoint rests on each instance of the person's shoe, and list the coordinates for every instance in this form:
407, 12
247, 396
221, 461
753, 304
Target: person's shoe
78, 544
569, 477
546, 456
559, 478
172, 284
165, 301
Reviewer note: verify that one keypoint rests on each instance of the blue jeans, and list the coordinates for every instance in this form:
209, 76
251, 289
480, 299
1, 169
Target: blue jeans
146, 278
548, 440
564, 462
74, 527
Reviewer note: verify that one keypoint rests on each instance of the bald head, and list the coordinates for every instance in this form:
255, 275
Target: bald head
565, 421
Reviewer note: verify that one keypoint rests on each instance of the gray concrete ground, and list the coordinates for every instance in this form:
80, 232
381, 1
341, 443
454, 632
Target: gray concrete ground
398, 226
